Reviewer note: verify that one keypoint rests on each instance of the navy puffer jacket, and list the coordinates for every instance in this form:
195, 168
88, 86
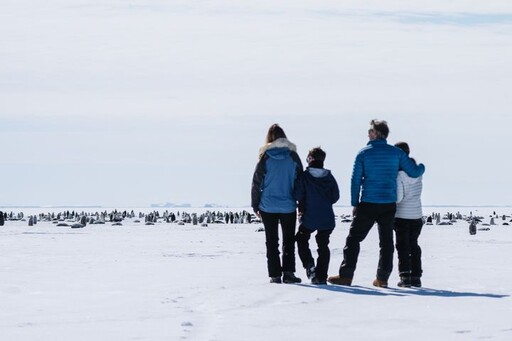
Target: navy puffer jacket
316, 192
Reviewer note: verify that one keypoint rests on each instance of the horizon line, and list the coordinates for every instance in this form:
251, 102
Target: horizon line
213, 206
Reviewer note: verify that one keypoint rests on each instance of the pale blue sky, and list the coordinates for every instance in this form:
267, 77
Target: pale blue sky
129, 103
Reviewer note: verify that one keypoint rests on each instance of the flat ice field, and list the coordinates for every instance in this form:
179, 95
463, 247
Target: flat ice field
185, 282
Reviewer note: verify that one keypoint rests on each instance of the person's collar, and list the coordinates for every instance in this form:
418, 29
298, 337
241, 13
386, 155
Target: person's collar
377, 141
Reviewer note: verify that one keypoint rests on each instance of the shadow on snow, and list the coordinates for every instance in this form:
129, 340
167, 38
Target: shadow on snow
358, 290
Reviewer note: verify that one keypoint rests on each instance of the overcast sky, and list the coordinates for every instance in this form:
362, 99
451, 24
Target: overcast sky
128, 103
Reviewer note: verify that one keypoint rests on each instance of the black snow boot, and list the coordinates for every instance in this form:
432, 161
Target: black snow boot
318, 281
289, 277
275, 280
405, 282
416, 282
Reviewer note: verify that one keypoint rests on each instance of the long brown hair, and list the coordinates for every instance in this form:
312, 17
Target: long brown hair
274, 132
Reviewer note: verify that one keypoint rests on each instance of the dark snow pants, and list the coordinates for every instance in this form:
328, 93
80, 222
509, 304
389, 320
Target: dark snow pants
324, 254
409, 252
367, 215
271, 222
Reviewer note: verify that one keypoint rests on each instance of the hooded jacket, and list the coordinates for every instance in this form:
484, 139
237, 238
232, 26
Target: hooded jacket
408, 192
316, 191
275, 177
375, 171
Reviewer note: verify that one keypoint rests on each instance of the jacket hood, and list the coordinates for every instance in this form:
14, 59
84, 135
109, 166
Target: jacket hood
318, 172
318, 177
280, 144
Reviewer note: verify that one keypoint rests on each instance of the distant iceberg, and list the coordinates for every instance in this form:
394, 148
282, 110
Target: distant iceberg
210, 205
169, 205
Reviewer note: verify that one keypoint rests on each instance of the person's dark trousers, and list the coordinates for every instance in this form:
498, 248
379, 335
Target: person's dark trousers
271, 222
367, 215
324, 254
409, 252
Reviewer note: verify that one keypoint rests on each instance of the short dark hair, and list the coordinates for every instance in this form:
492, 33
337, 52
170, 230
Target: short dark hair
404, 146
317, 154
274, 132
316, 158
381, 128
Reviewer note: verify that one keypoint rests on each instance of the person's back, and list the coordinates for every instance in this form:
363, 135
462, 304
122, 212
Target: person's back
317, 191
375, 172
408, 196
281, 173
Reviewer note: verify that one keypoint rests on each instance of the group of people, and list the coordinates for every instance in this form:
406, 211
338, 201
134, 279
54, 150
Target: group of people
386, 189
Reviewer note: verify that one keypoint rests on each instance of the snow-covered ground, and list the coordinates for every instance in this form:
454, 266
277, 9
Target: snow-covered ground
172, 282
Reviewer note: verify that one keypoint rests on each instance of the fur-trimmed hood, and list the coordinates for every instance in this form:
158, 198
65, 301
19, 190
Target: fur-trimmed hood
279, 143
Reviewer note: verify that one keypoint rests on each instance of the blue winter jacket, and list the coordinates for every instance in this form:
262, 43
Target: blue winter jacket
316, 192
375, 171
275, 178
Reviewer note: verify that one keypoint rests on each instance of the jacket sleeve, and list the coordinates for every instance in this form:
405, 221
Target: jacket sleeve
298, 179
298, 165
257, 183
356, 180
299, 192
400, 190
410, 167
335, 191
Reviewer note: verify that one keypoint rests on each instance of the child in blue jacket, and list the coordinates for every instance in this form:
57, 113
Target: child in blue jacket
316, 192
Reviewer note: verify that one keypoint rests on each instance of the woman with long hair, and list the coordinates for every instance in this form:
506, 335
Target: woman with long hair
272, 199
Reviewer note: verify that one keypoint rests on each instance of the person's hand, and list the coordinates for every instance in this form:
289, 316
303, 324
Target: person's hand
257, 214
354, 211
299, 216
